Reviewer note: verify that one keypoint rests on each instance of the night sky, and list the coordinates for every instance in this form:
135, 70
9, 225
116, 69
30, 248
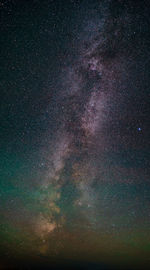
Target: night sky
74, 134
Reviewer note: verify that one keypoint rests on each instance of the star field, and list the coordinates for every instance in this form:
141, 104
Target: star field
74, 173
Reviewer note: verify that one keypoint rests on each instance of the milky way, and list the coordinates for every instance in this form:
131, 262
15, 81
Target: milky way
83, 186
